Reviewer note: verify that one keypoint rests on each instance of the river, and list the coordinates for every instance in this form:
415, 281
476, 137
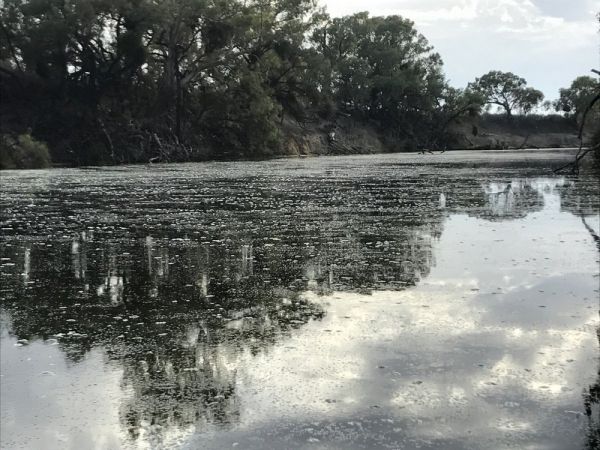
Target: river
397, 301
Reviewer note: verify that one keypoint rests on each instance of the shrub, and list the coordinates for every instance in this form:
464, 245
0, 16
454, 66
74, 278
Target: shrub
23, 152
531, 123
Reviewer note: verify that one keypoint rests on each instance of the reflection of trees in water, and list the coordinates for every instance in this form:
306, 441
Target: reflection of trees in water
494, 200
513, 200
591, 402
177, 334
591, 231
176, 387
183, 373
507, 201
579, 196
177, 314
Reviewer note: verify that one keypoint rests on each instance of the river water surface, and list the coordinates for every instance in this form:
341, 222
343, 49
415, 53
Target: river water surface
395, 301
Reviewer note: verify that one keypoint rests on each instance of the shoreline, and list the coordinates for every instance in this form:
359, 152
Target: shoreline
522, 153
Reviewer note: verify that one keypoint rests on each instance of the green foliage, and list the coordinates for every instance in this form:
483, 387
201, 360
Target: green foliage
531, 123
383, 70
246, 121
507, 90
23, 152
138, 79
574, 100
460, 102
116, 81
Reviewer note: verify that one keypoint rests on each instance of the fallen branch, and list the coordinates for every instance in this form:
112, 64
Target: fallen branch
574, 165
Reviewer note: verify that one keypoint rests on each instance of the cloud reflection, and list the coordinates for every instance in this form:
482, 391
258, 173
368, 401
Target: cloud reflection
350, 308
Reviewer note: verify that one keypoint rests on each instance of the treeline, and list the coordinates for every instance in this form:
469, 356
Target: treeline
117, 81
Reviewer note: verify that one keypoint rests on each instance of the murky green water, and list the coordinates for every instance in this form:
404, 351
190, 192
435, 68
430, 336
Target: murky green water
438, 302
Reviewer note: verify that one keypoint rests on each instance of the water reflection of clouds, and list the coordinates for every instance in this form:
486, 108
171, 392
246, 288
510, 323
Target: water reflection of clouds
78, 403
211, 334
490, 362
435, 374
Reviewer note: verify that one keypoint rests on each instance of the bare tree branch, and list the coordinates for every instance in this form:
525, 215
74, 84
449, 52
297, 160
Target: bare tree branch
581, 152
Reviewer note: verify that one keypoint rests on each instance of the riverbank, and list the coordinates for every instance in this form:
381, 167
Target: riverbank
342, 135
489, 132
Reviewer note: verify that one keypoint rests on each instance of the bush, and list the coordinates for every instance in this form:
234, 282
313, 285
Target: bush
551, 123
23, 152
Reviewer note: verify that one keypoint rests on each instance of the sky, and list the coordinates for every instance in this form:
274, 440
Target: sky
547, 42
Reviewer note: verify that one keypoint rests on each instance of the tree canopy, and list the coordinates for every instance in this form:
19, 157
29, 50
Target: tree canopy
112, 81
507, 90
576, 98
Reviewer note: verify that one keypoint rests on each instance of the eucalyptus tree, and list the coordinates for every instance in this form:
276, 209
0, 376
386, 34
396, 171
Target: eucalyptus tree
266, 75
383, 70
508, 91
68, 62
576, 98
127, 80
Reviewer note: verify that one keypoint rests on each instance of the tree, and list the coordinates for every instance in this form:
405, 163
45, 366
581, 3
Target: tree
70, 61
264, 77
459, 102
507, 90
575, 99
115, 81
383, 70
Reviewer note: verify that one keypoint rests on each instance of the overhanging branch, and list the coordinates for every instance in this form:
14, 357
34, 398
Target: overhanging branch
582, 152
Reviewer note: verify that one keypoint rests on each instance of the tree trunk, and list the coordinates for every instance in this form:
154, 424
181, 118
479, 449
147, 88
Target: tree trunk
178, 108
